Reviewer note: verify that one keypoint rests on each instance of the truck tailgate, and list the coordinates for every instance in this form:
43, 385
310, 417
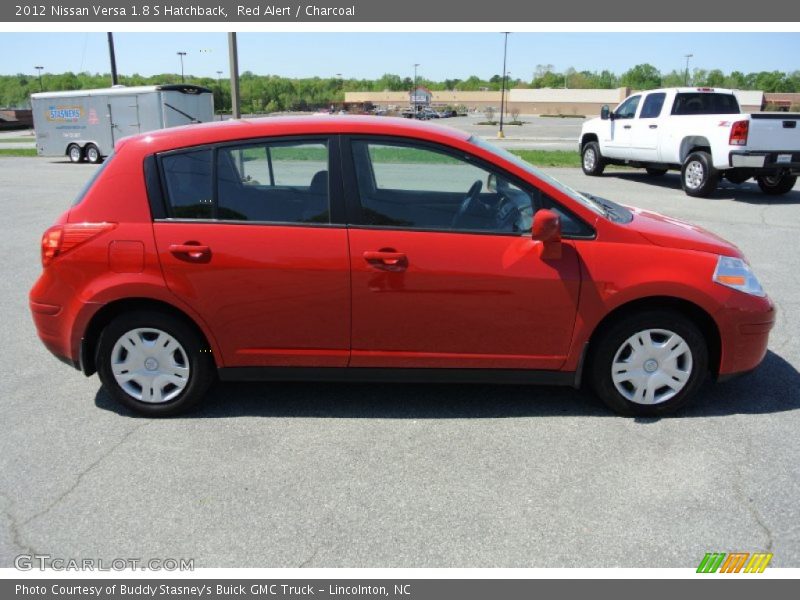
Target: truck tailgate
774, 131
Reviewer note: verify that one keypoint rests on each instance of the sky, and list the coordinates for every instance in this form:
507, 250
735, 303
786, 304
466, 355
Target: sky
370, 55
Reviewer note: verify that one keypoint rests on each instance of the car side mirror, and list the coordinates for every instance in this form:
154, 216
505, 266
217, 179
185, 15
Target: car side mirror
547, 229
605, 113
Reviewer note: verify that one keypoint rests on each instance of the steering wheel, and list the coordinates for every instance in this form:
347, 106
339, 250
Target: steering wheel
469, 202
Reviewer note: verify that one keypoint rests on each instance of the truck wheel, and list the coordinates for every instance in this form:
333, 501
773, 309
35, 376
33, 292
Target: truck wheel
649, 363
92, 154
74, 153
699, 178
153, 363
592, 161
653, 172
775, 185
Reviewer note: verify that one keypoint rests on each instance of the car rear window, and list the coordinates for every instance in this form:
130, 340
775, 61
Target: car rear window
705, 103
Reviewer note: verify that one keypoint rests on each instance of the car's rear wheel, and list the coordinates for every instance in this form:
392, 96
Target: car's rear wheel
592, 160
775, 185
653, 172
648, 364
154, 363
92, 154
698, 175
75, 153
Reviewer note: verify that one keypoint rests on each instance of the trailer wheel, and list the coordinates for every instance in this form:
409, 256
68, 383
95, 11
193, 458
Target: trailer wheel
75, 153
92, 154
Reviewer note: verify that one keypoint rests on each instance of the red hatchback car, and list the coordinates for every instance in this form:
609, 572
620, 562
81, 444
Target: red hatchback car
379, 249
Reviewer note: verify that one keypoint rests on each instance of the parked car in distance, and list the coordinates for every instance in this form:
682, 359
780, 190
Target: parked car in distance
699, 131
354, 248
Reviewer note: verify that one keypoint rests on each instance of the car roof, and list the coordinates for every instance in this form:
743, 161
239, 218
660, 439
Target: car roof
241, 129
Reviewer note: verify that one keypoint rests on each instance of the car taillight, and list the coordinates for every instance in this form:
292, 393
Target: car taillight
60, 239
739, 132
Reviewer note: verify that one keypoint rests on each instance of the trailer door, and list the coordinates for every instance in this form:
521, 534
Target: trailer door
124, 112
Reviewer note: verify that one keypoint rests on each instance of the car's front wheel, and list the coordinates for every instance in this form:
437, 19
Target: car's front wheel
592, 160
154, 363
649, 363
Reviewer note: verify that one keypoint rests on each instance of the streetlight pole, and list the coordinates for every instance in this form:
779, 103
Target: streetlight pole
182, 54
500, 133
41, 87
414, 91
686, 74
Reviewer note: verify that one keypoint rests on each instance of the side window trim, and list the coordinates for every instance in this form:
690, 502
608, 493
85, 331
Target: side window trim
352, 197
336, 202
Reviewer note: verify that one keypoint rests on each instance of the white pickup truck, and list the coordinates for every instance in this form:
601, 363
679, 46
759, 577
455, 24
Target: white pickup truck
699, 131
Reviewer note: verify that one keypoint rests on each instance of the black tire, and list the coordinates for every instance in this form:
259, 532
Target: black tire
75, 153
699, 178
196, 354
775, 185
592, 161
92, 154
614, 339
653, 172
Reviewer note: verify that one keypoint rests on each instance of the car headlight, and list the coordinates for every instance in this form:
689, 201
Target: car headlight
736, 273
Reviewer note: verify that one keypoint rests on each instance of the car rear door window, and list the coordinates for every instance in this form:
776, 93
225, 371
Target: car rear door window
282, 182
653, 103
419, 187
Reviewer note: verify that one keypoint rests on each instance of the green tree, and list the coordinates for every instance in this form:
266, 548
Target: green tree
641, 77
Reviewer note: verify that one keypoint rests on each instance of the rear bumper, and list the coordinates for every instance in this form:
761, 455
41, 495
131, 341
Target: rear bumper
771, 160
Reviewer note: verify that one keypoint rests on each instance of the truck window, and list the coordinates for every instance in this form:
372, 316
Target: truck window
652, 106
704, 103
627, 110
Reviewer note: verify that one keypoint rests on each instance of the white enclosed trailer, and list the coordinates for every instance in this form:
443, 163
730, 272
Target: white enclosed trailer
85, 124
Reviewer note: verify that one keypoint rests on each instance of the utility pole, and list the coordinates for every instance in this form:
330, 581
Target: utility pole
112, 55
41, 87
414, 91
686, 74
182, 54
219, 87
234, 68
500, 133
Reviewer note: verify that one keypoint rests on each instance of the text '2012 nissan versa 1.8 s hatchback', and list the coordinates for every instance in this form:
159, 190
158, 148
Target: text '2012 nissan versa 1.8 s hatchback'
378, 249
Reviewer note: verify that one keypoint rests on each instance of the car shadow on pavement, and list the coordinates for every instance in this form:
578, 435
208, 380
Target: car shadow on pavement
748, 191
773, 387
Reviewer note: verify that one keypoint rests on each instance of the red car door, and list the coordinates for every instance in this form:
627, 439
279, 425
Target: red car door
255, 255
444, 274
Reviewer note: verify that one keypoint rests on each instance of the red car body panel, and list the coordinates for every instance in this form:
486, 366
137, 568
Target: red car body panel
277, 295
463, 301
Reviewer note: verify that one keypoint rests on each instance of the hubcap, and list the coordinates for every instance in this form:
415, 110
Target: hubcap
652, 366
92, 154
75, 154
694, 174
589, 159
150, 365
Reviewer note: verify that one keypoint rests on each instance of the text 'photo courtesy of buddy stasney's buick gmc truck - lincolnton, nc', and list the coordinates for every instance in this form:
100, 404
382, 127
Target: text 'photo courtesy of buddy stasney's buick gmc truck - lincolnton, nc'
355, 248
699, 131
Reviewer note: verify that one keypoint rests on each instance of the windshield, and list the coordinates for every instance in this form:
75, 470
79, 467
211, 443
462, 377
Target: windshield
586, 201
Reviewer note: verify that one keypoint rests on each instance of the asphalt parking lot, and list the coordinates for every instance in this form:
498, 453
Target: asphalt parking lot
324, 475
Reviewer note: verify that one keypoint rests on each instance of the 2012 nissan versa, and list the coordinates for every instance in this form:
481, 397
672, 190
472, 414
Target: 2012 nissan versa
380, 250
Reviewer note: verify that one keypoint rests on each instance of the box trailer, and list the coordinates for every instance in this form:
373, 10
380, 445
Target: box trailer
85, 124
